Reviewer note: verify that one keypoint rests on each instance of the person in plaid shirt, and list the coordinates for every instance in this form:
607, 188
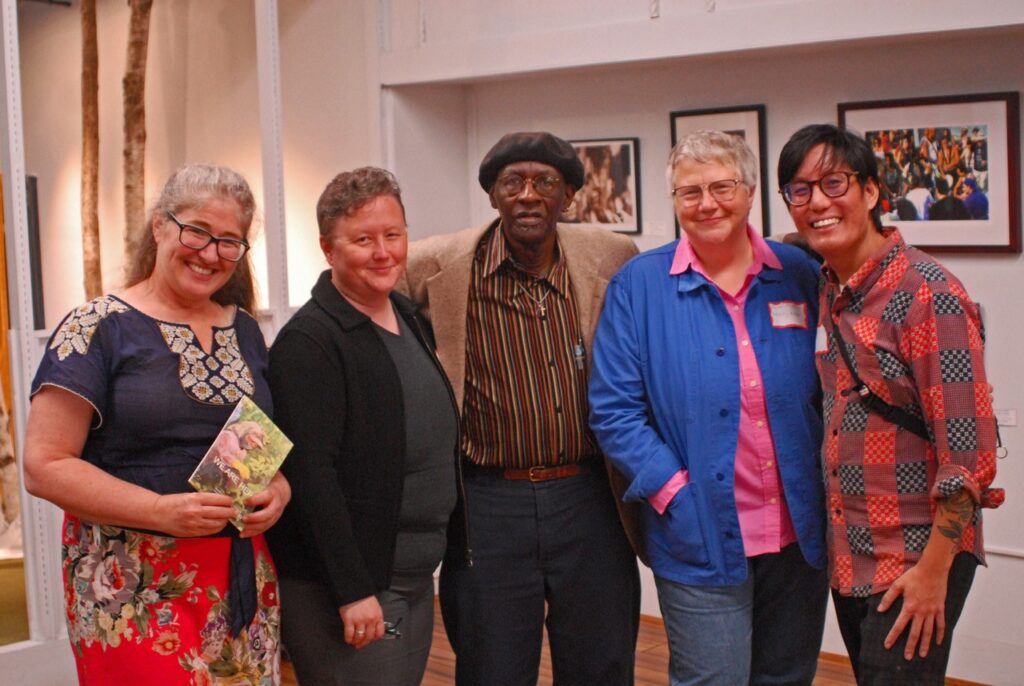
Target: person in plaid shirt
904, 511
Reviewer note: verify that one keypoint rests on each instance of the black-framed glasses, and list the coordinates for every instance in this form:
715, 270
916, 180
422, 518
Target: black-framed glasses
834, 185
722, 191
197, 238
513, 184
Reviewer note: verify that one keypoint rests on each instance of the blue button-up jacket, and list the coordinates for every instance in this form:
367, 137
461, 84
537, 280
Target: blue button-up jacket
665, 396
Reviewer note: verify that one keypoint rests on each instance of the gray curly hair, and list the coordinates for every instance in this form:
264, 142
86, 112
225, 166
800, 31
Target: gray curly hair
189, 187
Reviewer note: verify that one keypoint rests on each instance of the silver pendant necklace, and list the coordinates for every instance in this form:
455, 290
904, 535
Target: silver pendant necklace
542, 310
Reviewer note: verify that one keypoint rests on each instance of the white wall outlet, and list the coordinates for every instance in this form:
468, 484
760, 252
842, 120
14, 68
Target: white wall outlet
1006, 417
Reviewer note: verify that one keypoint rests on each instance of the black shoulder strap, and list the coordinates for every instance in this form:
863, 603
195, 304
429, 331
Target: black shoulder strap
891, 413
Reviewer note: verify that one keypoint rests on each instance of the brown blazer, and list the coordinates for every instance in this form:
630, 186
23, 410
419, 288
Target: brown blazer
437, 279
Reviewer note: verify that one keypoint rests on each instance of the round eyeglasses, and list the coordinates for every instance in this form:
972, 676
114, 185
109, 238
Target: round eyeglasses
721, 191
513, 184
834, 185
197, 238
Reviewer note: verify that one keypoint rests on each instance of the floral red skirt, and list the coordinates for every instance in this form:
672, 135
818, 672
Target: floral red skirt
145, 609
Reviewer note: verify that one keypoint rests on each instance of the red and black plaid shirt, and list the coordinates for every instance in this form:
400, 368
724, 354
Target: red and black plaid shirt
916, 340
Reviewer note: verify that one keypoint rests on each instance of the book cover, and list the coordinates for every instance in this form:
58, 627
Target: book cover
243, 458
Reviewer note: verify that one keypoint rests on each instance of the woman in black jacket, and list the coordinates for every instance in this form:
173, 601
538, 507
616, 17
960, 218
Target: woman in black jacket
358, 389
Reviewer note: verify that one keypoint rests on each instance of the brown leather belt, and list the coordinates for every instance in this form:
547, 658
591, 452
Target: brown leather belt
542, 473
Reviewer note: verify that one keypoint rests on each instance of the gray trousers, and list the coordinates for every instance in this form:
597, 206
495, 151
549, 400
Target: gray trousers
314, 635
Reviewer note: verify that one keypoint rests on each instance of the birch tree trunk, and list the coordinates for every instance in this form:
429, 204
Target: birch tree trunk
93, 280
134, 90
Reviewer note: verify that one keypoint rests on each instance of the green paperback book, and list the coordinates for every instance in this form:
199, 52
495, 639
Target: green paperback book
244, 457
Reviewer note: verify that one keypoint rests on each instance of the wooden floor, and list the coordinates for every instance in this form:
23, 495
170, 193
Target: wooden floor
651, 661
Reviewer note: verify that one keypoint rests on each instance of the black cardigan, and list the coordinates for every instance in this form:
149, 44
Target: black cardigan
338, 397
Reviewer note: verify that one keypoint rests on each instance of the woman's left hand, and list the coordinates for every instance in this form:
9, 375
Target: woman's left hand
267, 506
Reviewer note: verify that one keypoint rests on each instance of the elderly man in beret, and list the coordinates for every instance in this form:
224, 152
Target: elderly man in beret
514, 304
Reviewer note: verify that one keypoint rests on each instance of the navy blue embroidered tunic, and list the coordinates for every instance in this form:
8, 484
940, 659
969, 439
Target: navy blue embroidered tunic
159, 401
159, 398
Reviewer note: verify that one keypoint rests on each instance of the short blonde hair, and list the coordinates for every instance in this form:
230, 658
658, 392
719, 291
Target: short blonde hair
714, 146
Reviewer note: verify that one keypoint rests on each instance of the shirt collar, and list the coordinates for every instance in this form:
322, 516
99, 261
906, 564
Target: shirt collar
495, 257
686, 259
869, 272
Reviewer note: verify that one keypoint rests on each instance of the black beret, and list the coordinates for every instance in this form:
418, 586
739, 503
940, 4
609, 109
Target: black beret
531, 146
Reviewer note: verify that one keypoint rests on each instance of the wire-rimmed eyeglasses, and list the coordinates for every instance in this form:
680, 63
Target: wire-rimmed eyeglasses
513, 184
722, 191
197, 238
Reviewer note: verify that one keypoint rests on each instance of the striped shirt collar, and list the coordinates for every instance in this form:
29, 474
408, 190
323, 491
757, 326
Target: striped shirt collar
494, 254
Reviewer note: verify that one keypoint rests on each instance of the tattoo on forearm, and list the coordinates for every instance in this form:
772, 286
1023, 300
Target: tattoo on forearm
956, 513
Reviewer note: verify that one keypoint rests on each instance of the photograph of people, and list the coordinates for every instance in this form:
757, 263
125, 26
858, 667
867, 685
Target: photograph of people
910, 437
915, 184
704, 395
360, 393
133, 389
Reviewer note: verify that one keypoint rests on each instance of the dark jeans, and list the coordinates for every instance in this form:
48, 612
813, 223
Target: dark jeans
864, 630
766, 630
556, 543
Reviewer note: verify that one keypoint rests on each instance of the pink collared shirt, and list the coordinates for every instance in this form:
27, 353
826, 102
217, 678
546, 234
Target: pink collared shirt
760, 505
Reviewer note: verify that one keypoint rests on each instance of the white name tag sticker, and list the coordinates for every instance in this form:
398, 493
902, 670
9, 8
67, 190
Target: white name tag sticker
821, 341
788, 314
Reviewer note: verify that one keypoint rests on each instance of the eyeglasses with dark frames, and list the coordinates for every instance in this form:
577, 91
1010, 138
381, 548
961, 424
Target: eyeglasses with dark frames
834, 185
197, 238
722, 191
513, 184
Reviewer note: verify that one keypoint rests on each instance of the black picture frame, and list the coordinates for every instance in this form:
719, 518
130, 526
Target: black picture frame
748, 121
34, 257
610, 197
985, 125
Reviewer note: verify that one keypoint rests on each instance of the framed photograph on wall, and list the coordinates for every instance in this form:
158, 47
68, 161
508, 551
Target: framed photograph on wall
949, 166
746, 121
610, 197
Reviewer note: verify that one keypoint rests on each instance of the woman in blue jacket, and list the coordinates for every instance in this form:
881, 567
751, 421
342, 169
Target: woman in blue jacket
704, 394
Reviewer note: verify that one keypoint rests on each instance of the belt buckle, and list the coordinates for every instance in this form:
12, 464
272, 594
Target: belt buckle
536, 473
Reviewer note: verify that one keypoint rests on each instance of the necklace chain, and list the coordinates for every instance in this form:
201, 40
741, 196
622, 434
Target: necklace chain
542, 309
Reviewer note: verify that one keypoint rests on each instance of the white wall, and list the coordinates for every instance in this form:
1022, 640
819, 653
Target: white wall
798, 86
446, 40
324, 57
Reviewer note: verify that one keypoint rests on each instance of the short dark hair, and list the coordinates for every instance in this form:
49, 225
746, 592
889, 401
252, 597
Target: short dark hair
348, 191
841, 145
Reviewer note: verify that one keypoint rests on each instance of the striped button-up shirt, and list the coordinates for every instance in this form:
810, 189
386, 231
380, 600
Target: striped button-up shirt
916, 340
526, 382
